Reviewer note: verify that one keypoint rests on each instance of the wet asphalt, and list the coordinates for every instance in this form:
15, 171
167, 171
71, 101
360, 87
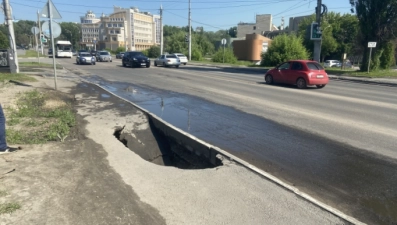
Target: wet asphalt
361, 183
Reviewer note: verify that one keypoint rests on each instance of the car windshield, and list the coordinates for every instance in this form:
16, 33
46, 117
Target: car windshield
314, 66
171, 56
84, 54
180, 55
135, 54
104, 53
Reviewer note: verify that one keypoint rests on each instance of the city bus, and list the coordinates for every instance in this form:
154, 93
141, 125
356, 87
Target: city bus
63, 49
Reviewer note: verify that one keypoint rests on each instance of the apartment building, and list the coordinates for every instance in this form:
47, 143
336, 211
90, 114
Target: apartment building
125, 27
90, 27
263, 23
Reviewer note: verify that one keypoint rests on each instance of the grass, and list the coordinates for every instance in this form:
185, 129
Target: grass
31, 53
16, 76
238, 63
38, 118
38, 65
9, 207
3, 193
355, 73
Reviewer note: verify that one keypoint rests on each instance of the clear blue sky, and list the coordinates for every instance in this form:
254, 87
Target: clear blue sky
211, 14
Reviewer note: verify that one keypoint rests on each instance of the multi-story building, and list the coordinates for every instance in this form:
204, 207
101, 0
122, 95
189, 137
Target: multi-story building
90, 27
263, 23
125, 27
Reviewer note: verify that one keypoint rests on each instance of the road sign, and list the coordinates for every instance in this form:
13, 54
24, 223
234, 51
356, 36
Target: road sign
35, 30
54, 11
371, 44
56, 29
44, 40
223, 41
315, 32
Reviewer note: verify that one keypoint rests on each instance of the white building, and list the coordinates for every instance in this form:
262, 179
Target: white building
125, 27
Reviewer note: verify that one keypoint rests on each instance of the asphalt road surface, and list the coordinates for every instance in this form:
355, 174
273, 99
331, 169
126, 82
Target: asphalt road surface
338, 144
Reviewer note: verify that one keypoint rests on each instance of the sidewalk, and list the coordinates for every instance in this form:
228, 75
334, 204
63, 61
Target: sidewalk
97, 180
383, 81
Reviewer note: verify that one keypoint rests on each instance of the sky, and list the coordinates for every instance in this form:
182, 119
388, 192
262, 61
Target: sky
213, 15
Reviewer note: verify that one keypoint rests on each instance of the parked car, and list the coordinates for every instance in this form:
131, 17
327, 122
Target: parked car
332, 63
167, 60
103, 56
50, 51
135, 59
119, 55
74, 53
93, 52
298, 72
85, 58
182, 58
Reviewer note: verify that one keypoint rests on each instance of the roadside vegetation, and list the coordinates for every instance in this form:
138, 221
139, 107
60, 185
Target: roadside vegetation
31, 53
39, 117
8, 207
5, 77
357, 73
38, 65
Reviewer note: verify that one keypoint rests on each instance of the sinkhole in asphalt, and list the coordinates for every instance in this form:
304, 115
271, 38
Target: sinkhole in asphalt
164, 151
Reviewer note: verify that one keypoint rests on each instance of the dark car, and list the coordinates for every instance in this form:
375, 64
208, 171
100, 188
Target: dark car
135, 59
298, 72
50, 51
93, 53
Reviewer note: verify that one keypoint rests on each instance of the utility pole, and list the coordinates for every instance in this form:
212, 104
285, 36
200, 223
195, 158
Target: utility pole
161, 30
52, 44
7, 12
317, 43
39, 24
190, 32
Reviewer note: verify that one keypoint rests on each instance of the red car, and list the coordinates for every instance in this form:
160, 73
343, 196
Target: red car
299, 72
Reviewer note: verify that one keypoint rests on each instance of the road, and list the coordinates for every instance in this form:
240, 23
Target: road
338, 144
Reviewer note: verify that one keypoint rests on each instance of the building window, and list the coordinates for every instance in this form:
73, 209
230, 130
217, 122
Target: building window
254, 27
109, 25
114, 38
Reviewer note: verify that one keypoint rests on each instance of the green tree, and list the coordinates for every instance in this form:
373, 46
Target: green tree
4, 42
284, 47
154, 51
227, 53
233, 32
378, 22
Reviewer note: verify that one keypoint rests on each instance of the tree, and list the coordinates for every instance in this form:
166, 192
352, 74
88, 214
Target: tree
233, 32
4, 42
378, 21
283, 48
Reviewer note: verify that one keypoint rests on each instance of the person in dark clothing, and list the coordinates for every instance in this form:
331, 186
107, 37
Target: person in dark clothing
4, 148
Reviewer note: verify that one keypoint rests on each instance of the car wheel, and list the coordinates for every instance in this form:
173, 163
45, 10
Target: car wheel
301, 83
320, 86
269, 79
177, 66
93, 63
147, 66
164, 64
155, 64
185, 64
123, 64
111, 60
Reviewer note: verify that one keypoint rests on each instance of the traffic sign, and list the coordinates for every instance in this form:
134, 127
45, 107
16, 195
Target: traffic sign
223, 41
315, 32
45, 12
56, 29
35, 30
371, 44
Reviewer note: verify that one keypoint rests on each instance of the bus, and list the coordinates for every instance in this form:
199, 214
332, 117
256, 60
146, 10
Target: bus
63, 49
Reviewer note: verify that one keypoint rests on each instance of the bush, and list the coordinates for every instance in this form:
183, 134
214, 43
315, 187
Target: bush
229, 56
119, 49
387, 58
153, 51
283, 48
196, 55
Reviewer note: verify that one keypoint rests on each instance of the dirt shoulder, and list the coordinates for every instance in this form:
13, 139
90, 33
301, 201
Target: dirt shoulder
66, 183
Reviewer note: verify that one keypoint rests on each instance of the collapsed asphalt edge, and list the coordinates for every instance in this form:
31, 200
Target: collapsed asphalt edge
247, 165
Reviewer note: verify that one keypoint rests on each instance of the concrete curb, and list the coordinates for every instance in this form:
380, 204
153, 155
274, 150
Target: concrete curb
245, 164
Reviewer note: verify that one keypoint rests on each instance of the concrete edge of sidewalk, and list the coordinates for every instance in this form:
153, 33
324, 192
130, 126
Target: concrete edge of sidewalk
248, 166
383, 81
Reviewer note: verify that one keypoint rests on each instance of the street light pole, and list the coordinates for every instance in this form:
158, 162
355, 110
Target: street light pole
321, 41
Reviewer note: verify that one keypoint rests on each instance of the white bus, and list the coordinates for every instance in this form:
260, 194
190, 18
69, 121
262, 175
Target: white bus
63, 49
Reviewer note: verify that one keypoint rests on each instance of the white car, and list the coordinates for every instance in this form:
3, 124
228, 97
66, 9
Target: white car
167, 60
332, 63
182, 58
